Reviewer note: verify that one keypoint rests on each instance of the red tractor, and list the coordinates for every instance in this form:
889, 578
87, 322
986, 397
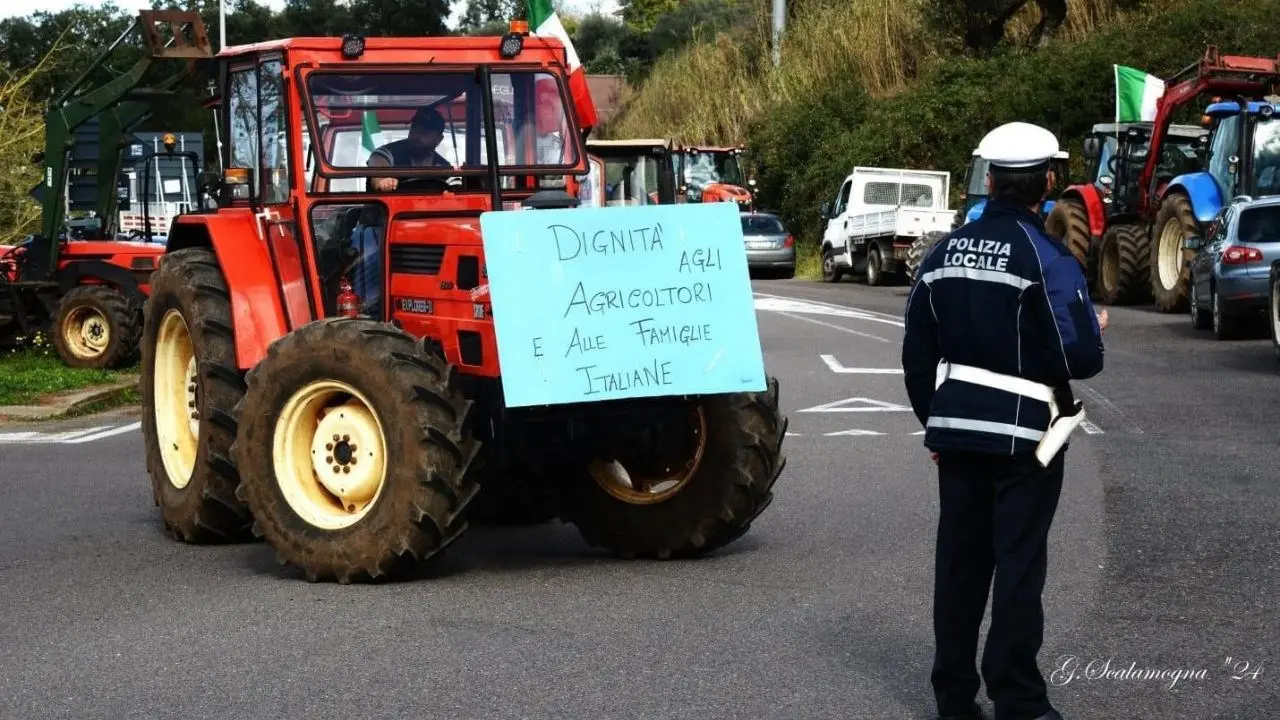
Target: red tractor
76, 280
714, 174
1170, 209
320, 365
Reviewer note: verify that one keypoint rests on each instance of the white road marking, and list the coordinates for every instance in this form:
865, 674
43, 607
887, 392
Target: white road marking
818, 307
1110, 407
841, 328
836, 367
69, 437
106, 433
854, 433
1090, 428
869, 405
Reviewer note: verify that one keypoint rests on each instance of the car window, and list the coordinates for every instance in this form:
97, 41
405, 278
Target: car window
1259, 225
761, 225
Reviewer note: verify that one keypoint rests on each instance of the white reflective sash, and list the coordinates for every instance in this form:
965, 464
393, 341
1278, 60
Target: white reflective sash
979, 376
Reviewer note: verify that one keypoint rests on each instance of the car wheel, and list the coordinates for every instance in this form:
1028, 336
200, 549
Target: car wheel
1200, 320
1223, 326
875, 266
830, 273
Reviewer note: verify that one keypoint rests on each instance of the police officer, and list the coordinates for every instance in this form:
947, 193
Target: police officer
998, 323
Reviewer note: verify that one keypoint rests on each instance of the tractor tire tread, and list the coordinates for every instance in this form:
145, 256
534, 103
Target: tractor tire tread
423, 414
206, 510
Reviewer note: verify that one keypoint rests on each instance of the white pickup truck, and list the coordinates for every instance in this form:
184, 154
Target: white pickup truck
877, 215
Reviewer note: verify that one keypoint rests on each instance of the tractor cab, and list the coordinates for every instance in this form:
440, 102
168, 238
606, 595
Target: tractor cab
974, 197
356, 171
1116, 152
1244, 148
635, 172
714, 174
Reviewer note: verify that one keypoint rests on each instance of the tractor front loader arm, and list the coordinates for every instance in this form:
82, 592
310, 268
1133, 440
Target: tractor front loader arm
186, 39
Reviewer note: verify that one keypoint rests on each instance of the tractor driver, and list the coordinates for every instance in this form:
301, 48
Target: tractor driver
426, 131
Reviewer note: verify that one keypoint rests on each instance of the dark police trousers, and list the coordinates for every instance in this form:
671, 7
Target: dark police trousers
996, 514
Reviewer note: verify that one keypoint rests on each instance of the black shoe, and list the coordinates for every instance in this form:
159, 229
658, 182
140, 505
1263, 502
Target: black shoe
974, 713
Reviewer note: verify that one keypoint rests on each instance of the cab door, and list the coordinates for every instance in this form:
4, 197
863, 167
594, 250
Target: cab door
259, 121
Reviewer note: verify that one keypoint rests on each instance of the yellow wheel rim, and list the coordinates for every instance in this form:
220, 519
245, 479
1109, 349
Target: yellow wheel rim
1170, 269
651, 477
177, 407
330, 454
86, 332
1110, 265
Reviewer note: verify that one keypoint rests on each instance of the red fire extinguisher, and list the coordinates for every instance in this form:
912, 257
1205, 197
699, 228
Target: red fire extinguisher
348, 301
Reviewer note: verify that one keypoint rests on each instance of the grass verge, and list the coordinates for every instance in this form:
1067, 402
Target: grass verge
808, 262
25, 377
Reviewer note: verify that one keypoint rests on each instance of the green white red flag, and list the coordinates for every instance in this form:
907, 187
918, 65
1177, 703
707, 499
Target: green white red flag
544, 21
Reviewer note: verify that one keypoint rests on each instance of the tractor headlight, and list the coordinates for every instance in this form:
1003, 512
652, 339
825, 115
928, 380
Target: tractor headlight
512, 44
352, 46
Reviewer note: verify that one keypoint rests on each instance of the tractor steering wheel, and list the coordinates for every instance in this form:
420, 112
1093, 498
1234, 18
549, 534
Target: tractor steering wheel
428, 183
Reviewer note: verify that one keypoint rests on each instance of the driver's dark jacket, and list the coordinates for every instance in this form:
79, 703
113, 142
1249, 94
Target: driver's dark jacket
1001, 295
401, 154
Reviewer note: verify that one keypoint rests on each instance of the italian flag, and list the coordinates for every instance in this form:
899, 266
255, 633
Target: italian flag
369, 127
544, 21
1137, 93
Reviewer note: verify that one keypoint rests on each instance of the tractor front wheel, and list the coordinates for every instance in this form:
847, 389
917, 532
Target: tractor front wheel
354, 450
1169, 272
96, 327
1069, 221
687, 485
190, 386
1122, 265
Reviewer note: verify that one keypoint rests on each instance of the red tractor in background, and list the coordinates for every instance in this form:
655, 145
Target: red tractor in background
320, 367
1086, 215
714, 174
75, 279
1170, 210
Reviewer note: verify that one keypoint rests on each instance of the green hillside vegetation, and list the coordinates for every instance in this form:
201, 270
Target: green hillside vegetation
866, 83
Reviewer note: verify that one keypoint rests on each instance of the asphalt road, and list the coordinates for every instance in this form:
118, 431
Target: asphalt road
1164, 556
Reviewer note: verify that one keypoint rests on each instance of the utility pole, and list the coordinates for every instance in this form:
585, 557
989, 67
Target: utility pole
779, 24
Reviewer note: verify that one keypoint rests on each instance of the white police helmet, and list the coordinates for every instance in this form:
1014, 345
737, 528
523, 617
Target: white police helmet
1018, 145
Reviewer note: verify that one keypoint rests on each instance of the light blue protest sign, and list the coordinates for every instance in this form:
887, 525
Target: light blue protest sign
594, 304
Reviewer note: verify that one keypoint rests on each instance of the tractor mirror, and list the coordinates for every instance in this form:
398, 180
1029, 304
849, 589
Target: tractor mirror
1193, 243
1092, 148
826, 210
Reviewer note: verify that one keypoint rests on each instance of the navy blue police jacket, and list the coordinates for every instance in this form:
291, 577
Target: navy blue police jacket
1002, 295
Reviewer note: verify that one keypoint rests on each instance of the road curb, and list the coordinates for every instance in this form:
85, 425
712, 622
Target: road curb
70, 403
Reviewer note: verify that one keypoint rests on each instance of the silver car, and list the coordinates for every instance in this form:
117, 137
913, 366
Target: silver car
770, 247
1231, 271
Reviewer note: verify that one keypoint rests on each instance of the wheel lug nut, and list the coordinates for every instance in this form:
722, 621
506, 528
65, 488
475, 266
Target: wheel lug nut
346, 469
328, 446
353, 460
336, 438
328, 460
337, 469
346, 438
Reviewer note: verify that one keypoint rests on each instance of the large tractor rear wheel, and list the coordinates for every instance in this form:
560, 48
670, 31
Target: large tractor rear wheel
96, 327
1169, 272
190, 386
686, 485
918, 250
1069, 221
354, 450
1123, 274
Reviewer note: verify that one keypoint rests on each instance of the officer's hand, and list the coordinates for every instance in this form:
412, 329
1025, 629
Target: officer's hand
934, 456
1102, 319
384, 184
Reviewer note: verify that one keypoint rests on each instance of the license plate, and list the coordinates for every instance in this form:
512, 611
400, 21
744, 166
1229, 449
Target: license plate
759, 245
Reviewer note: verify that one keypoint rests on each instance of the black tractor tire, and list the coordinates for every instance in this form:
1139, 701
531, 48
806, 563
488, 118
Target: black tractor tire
1177, 216
1274, 312
830, 273
197, 493
421, 430
1069, 221
1122, 274
728, 487
919, 249
96, 310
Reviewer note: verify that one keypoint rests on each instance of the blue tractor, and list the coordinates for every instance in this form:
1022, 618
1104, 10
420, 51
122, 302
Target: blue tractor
1243, 160
973, 200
